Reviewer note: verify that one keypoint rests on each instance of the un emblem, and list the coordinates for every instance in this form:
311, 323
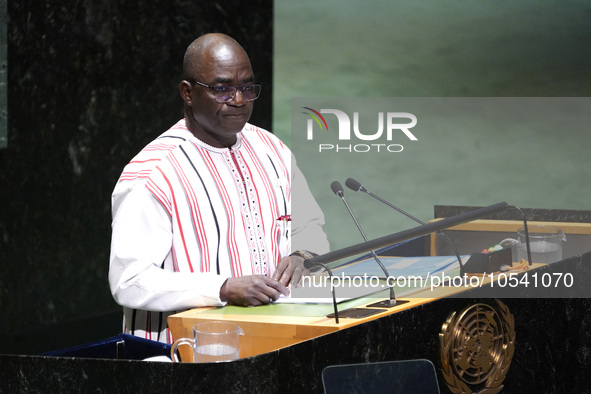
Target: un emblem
477, 346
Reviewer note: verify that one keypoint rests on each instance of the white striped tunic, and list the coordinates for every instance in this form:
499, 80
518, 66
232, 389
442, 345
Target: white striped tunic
186, 216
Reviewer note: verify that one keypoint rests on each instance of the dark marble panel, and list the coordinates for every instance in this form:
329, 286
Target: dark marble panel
37, 374
3, 76
90, 83
252, 375
533, 214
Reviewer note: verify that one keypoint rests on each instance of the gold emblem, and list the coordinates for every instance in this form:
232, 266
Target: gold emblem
477, 347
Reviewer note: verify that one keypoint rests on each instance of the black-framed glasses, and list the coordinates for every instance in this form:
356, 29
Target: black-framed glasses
224, 94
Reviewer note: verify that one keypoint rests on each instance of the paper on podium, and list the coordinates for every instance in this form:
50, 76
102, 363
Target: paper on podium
402, 266
302, 296
364, 278
317, 300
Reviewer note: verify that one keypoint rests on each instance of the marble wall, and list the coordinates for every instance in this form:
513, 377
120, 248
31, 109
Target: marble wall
90, 83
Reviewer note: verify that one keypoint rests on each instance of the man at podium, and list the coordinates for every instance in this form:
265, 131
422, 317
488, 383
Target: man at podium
202, 215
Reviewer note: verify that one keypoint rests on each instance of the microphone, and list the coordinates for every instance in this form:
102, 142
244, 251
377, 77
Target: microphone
356, 186
338, 190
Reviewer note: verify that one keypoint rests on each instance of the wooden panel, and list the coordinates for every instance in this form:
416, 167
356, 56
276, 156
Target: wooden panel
511, 226
263, 333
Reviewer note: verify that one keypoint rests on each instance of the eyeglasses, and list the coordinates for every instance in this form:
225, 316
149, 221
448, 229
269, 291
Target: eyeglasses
224, 94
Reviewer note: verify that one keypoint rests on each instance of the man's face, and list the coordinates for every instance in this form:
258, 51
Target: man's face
218, 123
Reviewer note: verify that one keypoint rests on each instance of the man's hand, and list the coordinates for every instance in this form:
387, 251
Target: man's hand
290, 270
251, 290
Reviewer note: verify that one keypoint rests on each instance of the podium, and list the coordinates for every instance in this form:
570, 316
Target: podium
550, 339
546, 348
542, 321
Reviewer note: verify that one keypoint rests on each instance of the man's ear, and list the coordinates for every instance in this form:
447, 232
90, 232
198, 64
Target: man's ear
185, 89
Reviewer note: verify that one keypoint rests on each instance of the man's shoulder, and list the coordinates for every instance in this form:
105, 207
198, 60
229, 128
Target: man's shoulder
152, 154
167, 141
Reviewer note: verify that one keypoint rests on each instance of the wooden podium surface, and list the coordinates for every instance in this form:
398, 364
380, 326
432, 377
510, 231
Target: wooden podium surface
267, 328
